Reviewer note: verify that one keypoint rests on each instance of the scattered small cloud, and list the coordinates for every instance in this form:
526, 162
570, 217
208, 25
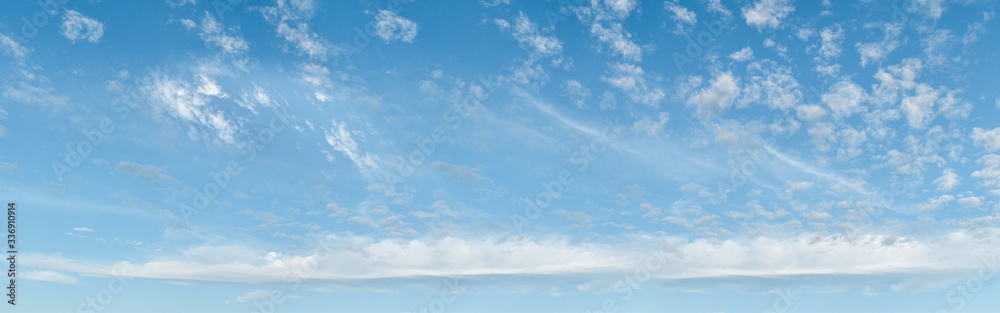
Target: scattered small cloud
48, 276
391, 27
144, 172
77, 27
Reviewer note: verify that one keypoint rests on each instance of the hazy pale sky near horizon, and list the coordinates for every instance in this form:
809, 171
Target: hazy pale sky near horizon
502, 155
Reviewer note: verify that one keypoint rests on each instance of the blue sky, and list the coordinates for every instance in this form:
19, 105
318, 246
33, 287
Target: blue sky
503, 155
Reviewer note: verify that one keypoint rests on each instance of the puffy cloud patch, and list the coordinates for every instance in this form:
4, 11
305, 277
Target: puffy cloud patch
650, 125
77, 27
767, 13
717, 97
631, 80
988, 139
947, 181
391, 27
745, 54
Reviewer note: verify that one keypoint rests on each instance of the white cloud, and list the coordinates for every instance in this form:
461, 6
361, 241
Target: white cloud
209, 87
976, 29
144, 172
12, 48
181, 100
348, 258
930, 8
819, 216
603, 18
798, 186
214, 35
851, 141
576, 92
821, 134
502, 24
630, 79
717, 7
650, 126
844, 98
34, 89
341, 140
493, 3
306, 41
831, 38
774, 45
828, 70
767, 13
989, 176
178, 98
717, 97
48, 276
315, 74
83, 229
529, 73
290, 19
267, 218
947, 181
336, 210
526, 33
76, 26
459, 172
935, 203
250, 98
179, 3
875, 51
188, 24
608, 101
895, 80
391, 27
682, 16
771, 85
256, 295
919, 108
805, 33
988, 139
951, 106
809, 112
970, 202
621, 8
743, 55
936, 45
618, 40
